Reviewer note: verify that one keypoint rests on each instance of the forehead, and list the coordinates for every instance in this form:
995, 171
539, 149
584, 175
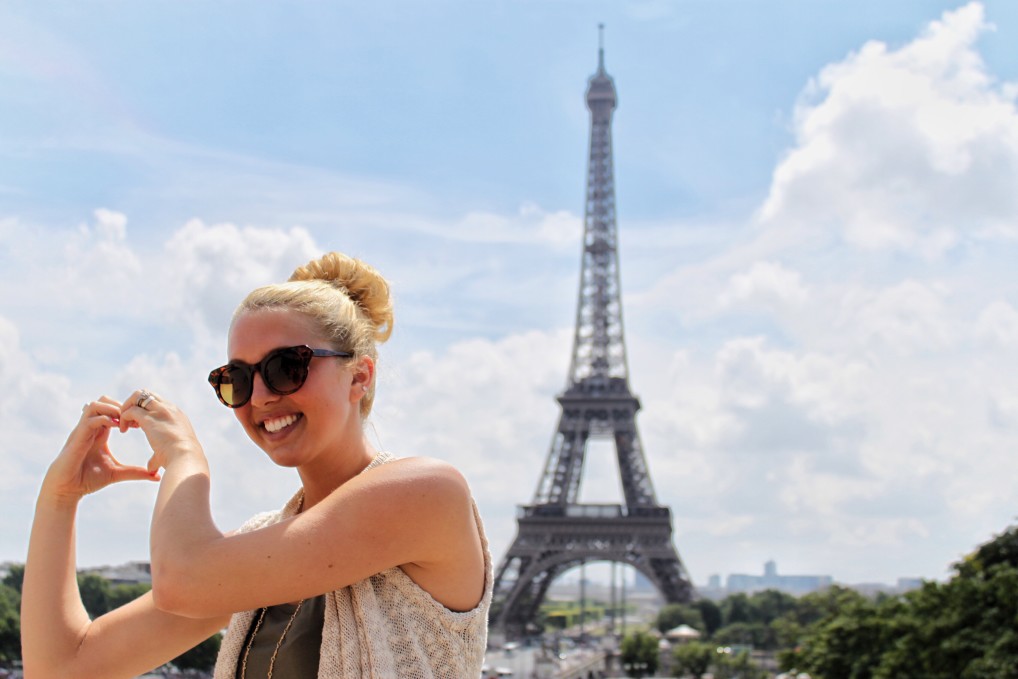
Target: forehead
255, 333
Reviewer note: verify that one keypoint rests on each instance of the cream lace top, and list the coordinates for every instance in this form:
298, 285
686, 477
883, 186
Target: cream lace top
385, 626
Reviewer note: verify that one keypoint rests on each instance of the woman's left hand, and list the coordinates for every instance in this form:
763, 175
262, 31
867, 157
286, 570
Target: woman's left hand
166, 427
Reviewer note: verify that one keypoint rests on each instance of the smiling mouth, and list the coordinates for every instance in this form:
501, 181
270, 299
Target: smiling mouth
280, 423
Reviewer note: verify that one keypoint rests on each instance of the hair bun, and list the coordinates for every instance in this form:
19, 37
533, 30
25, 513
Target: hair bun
360, 281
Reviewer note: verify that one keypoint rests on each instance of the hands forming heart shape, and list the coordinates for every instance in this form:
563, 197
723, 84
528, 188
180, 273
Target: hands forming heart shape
86, 464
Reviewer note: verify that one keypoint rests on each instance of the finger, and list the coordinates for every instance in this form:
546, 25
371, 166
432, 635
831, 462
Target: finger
112, 402
92, 427
104, 407
101, 406
132, 473
139, 400
119, 467
130, 418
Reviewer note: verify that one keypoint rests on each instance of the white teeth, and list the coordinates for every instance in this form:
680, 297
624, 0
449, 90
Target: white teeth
272, 426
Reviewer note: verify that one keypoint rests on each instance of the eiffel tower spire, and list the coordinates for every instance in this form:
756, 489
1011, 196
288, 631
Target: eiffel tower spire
556, 531
599, 350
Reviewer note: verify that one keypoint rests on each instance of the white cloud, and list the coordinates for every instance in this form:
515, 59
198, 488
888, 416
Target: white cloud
765, 285
37, 409
531, 224
905, 317
828, 387
998, 324
209, 269
911, 149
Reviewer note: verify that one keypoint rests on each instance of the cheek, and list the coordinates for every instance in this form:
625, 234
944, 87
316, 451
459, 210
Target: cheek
245, 421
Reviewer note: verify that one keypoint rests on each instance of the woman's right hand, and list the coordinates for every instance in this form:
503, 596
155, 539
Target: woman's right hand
85, 464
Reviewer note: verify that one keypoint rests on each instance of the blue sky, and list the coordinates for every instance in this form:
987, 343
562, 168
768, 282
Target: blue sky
817, 222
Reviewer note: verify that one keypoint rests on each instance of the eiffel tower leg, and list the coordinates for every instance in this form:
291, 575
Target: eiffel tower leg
550, 541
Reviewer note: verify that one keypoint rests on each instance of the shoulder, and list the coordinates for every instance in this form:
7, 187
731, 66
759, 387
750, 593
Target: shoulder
418, 472
415, 488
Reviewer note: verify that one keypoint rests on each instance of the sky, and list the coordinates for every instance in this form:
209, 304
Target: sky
818, 218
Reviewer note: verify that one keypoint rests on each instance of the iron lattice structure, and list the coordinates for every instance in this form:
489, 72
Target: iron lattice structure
556, 532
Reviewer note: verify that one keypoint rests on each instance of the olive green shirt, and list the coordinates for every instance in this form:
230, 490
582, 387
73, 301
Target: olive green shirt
300, 649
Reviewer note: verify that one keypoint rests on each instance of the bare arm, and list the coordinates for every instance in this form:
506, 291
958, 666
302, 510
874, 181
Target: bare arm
414, 513
58, 638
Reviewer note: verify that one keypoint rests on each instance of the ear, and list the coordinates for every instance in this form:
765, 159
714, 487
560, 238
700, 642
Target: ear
363, 372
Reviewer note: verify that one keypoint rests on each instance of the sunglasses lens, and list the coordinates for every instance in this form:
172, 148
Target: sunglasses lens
286, 370
235, 385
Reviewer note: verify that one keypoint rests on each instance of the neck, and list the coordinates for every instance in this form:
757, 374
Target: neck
323, 477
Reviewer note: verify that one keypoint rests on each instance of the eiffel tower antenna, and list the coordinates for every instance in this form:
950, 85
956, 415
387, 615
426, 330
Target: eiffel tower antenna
600, 47
556, 532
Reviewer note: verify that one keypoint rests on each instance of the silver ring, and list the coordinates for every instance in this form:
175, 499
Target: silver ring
144, 399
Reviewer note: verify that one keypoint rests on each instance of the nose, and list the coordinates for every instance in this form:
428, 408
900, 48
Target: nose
260, 394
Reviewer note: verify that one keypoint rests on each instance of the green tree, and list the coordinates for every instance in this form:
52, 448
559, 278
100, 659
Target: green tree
125, 593
15, 577
639, 654
710, 613
95, 594
1001, 550
770, 604
693, 658
850, 643
201, 657
736, 608
673, 615
736, 666
964, 628
755, 634
10, 624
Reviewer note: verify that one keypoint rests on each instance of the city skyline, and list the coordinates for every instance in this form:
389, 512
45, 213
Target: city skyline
816, 221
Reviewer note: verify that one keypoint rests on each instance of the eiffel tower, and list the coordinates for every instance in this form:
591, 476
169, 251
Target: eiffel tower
556, 532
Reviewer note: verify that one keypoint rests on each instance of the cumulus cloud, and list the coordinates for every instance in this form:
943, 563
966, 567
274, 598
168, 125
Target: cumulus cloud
843, 384
911, 149
531, 224
765, 285
905, 317
210, 268
37, 409
998, 324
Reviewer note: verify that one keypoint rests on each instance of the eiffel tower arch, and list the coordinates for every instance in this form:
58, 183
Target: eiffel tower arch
556, 532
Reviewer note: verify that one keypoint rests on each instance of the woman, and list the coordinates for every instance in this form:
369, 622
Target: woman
377, 567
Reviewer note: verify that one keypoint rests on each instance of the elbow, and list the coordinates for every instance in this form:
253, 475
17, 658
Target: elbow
169, 590
177, 588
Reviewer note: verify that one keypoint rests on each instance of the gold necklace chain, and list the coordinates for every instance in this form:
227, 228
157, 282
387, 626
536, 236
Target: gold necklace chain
261, 617
279, 644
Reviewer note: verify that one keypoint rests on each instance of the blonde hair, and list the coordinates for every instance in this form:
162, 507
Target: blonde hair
347, 299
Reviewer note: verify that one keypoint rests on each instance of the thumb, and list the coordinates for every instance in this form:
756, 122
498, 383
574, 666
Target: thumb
153, 466
131, 473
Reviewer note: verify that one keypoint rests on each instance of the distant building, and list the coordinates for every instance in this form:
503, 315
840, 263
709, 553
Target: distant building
713, 590
131, 573
792, 584
908, 584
